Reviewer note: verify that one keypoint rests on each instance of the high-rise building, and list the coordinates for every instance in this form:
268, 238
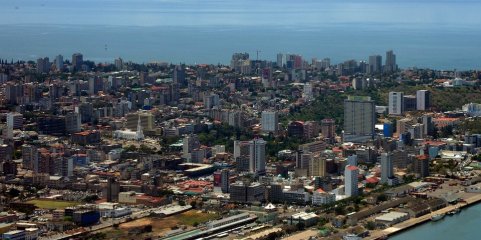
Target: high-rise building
96, 84
146, 120
240, 62
269, 121
396, 104
77, 61
317, 166
225, 174
43, 65
111, 192
352, 160
119, 63
375, 64
241, 148
190, 142
387, 171
351, 180
280, 60
245, 192
391, 65
423, 98
402, 126
257, 157
328, 129
59, 63
409, 103
325, 63
211, 100
427, 121
179, 76
421, 166
72, 122
63, 166
30, 157
359, 119
51, 125
311, 129
14, 121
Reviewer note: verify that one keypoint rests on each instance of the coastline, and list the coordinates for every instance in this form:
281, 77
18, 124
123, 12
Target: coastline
413, 222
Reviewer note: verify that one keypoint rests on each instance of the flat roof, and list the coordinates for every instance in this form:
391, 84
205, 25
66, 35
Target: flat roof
391, 216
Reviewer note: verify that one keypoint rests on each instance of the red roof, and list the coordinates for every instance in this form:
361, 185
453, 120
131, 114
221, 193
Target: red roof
422, 157
351, 168
372, 180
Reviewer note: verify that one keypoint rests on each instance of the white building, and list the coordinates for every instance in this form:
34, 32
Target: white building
386, 168
59, 63
423, 100
308, 219
113, 210
396, 104
320, 197
392, 218
472, 109
190, 142
350, 181
307, 92
129, 134
269, 121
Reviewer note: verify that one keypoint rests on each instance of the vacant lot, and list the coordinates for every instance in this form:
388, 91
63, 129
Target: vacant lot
52, 204
160, 226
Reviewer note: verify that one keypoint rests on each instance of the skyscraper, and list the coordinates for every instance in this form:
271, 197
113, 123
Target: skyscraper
391, 65
328, 129
119, 63
421, 166
43, 65
352, 160
317, 166
269, 121
396, 104
423, 100
359, 119
350, 181
30, 157
72, 122
225, 174
77, 61
280, 60
111, 192
190, 143
386, 167
375, 64
59, 63
257, 157
179, 76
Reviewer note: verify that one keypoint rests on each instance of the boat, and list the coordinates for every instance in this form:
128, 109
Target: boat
454, 211
457, 210
437, 217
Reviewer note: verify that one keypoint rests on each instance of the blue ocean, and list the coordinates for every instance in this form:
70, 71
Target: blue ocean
444, 34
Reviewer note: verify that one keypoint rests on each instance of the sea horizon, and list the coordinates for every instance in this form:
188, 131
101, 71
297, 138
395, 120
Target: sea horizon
210, 31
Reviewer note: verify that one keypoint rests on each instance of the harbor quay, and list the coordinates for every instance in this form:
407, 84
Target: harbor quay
397, 228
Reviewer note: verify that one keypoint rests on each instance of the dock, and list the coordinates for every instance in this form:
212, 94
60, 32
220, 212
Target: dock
420, 220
